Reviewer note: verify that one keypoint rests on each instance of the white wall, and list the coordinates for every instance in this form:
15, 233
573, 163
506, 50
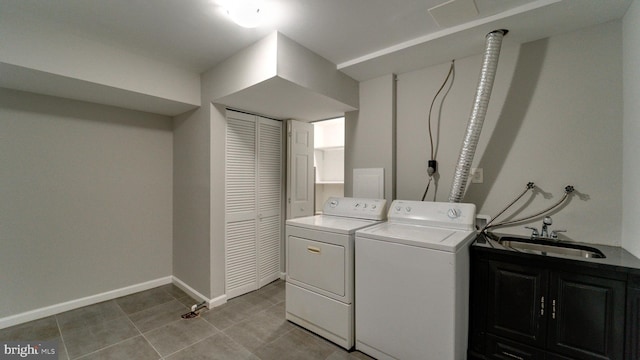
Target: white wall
328, 133
33, 43
279, 78
555, 118
303, 67
85, 199
370, 133
199, 196
248, 67
631, 160
330, 165
191, 194
218, 119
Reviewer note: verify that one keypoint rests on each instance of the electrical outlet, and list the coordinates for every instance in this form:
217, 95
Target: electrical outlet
477, 176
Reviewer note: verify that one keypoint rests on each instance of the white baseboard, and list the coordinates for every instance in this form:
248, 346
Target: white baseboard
189, 290
78, 303
217, 301
211, 303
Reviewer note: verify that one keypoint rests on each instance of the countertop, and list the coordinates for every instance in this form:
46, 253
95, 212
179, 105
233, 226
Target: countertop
615, 257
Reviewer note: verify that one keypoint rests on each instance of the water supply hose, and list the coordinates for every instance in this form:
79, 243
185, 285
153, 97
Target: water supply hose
567, 190
530, 186
478, 112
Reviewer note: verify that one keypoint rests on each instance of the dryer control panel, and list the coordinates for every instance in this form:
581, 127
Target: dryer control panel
370, 209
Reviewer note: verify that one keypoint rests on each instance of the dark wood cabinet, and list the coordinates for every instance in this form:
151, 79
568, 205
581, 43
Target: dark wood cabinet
528, 309
586, 316
516, 302
632, 351
504, 349
478, 308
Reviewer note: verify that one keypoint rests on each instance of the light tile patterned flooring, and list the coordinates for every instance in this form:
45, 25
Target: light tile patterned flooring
147, 325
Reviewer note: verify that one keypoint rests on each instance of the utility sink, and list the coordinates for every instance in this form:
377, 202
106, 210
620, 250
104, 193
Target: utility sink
549, 247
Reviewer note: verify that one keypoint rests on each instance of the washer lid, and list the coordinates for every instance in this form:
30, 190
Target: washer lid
449, 240
336, 224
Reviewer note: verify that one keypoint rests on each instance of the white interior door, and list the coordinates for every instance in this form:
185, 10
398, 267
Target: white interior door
300, 180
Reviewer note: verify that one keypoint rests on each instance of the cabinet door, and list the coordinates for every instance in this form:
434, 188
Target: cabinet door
633, 324
586, 317
517, 302
478, 304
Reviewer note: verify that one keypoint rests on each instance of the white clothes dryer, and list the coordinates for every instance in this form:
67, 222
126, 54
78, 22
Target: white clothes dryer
320, 266
412, 282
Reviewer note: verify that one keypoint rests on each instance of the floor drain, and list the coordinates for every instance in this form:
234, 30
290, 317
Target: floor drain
190, 315
193, 313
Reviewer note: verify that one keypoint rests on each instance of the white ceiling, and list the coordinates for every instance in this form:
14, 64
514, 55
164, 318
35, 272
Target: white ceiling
196, 34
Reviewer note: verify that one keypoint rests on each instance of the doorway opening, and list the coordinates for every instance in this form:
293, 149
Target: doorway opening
328, 160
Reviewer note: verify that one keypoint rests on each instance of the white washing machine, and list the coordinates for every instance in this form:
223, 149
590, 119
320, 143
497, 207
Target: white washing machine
412, 282
320, 268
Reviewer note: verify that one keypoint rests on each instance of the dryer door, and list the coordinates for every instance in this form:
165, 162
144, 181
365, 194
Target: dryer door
316, 265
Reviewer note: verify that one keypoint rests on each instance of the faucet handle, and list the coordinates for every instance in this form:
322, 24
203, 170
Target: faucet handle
554, 233
534, 231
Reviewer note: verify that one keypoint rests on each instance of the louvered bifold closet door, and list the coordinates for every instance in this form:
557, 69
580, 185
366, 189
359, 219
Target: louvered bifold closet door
241, 251
253, 213
269, 199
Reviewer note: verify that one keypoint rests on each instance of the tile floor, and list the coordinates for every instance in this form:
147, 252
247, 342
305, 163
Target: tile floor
147, 325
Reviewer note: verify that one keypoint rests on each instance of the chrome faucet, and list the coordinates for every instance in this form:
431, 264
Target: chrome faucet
544, 232
534, 231
554, 234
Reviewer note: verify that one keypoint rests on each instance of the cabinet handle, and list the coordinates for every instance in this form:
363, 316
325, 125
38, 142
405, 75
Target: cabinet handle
553, 308
513, 356
542, 306
313, 249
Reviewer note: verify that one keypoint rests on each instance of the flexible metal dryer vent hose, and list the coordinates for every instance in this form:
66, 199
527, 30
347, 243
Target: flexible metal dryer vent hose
480, 104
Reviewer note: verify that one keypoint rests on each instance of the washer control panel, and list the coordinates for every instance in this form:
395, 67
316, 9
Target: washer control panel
439, 214
371, 209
